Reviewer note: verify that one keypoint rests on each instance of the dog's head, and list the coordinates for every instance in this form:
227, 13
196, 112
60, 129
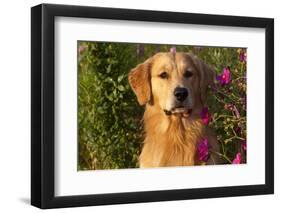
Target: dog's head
176, 82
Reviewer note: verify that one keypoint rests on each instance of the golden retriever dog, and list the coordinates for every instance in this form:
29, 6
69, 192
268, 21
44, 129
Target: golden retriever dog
173, 88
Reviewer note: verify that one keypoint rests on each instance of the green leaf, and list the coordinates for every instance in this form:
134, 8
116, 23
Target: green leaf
121, 88
120, 78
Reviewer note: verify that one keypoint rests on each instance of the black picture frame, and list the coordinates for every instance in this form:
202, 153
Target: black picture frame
43, 105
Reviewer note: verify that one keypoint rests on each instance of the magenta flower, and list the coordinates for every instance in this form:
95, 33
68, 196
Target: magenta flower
242, 56
173, 50
225, 77
203, 150
237, 159
205, 116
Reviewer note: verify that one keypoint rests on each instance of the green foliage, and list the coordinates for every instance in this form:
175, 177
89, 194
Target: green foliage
227, 103
109, 117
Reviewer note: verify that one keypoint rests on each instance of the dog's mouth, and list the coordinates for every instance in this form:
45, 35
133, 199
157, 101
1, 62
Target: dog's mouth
180, 110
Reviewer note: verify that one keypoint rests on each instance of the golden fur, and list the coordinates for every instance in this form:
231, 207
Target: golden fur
171, 139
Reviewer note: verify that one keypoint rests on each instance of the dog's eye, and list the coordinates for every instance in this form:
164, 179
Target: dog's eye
164, 75
188, 74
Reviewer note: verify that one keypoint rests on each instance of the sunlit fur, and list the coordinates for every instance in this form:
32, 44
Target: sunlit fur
171, 140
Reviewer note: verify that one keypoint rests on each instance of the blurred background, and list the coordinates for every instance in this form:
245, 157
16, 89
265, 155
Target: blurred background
109, 117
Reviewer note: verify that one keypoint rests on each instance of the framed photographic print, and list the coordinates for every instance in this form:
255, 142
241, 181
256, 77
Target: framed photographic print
139, 106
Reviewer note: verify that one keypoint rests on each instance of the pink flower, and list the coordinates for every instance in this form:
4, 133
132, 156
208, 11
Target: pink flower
205, 116
203, 150
173, 50
225, 77
242, 56
237, 159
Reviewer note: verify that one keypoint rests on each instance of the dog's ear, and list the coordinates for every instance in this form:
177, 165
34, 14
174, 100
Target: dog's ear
207, 76
139, 79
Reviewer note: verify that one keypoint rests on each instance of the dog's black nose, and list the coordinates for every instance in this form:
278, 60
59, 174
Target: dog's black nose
181, 93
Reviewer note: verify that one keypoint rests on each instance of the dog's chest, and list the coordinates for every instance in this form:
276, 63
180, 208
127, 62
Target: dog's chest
175, 147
